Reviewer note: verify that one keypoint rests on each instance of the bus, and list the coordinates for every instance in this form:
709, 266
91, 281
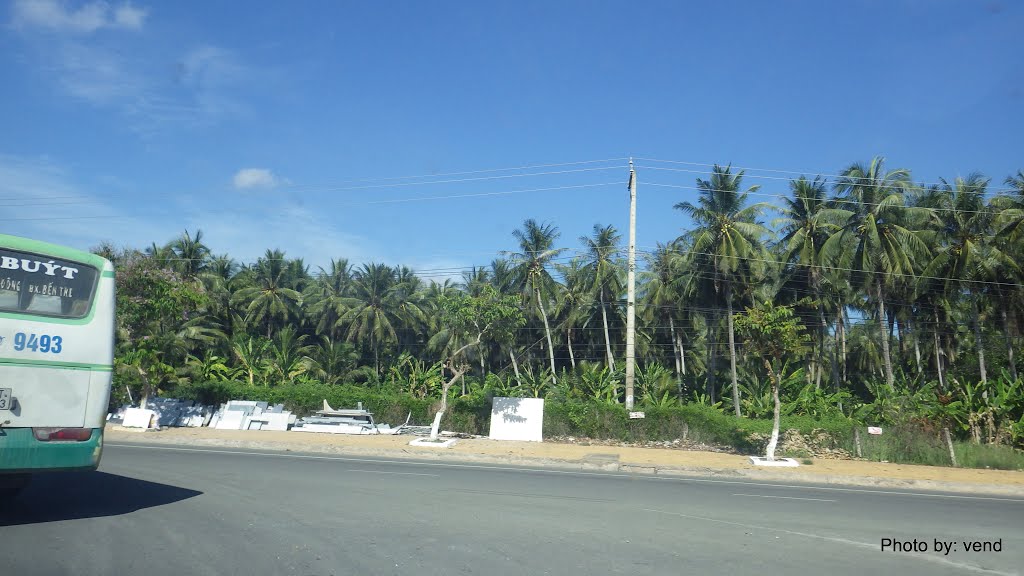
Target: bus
56, 359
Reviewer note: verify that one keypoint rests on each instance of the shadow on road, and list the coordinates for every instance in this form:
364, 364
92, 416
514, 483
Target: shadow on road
73, 495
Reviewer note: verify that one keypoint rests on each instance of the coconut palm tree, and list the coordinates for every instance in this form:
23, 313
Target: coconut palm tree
191, 254
326, 297
536, 251
290, 355
805, 227
378, 308
574, 302
873, 242
727, 242
605, 275
270, 299
964, 251
662, 299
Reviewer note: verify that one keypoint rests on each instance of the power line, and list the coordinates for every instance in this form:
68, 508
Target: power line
776, 171
333, 188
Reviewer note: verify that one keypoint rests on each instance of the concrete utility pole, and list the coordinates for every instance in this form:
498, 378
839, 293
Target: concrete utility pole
631, 292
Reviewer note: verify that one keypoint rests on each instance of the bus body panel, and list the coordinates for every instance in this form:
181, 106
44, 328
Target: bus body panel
23, 453
55, 383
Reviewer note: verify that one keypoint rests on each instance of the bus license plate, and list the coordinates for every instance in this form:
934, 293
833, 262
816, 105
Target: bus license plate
5, 398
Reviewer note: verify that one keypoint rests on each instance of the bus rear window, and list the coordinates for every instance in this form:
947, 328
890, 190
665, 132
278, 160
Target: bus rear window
34, 284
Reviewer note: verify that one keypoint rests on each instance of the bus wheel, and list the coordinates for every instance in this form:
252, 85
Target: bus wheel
12, 484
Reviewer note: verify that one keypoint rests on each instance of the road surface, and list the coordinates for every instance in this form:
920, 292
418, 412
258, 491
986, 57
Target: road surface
159, 510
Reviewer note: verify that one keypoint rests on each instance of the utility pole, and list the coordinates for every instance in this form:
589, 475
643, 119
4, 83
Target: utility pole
631, 292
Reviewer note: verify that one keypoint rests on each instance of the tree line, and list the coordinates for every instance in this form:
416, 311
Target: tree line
902, 288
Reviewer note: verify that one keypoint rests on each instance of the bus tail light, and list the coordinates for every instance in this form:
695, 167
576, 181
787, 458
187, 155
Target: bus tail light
62, 434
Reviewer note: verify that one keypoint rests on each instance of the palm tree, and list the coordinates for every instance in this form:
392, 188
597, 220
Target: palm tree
574, 302
251, 354
333, 359
1011, 218
270, 300
661, 297
963, 250
290, 355
536, 252
873, 215
605, 279
191, 254
327, 294
805, 227
727, 242
377, 309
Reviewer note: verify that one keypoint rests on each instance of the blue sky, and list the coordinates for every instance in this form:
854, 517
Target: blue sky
367, 130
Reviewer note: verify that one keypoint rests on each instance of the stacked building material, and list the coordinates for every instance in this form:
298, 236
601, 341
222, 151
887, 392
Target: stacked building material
251, 415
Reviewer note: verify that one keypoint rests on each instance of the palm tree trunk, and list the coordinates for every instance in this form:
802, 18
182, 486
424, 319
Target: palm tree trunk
547, 333
834, 356
917, 348
887, 360
675, 357
710, 371
515, 366
938, 351
568, 341
977, 339
842, 337
823, 323
675, 351
682, 353
732, 352
607, 340
1009, 342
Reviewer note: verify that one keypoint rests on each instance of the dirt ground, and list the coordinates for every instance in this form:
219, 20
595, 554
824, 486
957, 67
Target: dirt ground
650, 460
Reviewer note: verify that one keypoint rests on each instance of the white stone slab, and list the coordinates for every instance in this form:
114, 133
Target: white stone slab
274, 420
778, 462
335, 429
231, 420
137, 418
517, 419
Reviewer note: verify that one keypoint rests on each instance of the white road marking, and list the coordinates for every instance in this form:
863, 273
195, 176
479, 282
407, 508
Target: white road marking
875, 547
397, 473
665, 478
784, 497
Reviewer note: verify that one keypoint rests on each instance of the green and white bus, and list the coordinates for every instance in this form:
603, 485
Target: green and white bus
56, 358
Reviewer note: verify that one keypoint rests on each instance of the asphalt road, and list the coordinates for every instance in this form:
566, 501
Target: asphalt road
183, 511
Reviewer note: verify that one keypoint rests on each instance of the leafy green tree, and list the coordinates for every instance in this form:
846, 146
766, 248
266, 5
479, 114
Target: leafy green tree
773, 333
472, 319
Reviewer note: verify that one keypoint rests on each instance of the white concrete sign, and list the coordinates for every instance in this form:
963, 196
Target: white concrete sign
517, 419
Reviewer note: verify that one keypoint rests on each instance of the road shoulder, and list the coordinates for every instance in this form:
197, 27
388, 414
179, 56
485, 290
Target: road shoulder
654, 461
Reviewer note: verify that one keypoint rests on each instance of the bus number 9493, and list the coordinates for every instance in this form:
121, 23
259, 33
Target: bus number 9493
38, 343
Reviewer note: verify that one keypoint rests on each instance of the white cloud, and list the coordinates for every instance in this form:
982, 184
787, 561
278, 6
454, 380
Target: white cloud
54, 15
130, 17
255, 178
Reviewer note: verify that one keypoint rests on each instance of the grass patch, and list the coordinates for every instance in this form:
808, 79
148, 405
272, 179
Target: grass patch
993, 456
